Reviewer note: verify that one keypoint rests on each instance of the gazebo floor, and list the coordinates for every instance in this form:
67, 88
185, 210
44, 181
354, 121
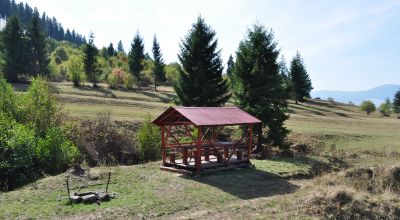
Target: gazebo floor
207, 166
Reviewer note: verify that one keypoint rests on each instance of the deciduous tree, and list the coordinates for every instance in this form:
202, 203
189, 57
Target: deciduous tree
368, 107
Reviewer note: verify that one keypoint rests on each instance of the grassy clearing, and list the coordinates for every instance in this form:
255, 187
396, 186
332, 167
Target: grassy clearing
268, 190
146, 191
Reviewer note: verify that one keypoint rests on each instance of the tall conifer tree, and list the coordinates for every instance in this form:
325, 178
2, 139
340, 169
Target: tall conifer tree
300, 81
230, 65
396, 103
200, 81
136, 57
158, 69
120, 47
37, 45
90, 60
111, 50
258, 85
15, 50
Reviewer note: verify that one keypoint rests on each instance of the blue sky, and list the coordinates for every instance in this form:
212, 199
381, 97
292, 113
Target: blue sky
346, 45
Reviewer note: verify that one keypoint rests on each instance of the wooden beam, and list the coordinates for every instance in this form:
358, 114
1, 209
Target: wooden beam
164, 153
198, 152
250, 142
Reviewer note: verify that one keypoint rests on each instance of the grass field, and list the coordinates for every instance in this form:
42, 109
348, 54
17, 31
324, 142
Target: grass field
266, 191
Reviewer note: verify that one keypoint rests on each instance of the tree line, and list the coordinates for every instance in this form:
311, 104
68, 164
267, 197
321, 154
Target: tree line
51, 27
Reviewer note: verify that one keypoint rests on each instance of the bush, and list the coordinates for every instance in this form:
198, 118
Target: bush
55, 152
386, 108
75, 70
117, 78
102, 142
368, 107
149, 140
7, 98
17, 144
129, 81
60, 55
39, 108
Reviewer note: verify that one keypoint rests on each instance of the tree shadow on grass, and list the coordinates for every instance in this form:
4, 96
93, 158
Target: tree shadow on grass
247, 183
106, 92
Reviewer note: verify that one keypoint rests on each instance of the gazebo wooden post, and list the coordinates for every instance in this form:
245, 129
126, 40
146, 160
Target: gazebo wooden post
164, 154
198, 151
250, 140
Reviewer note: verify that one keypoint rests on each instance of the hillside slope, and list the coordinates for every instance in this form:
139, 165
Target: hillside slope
377, 94
144, 191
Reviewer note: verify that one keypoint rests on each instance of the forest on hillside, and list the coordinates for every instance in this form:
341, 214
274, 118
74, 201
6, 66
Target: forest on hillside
50, 25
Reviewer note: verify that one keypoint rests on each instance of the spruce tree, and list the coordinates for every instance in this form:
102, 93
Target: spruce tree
200, 81
285, 74
158, 68
15, 50
396, 103
301, 83
136, 57
39, 61
230, 65
120, 47
258, 85
90, 60
111, 50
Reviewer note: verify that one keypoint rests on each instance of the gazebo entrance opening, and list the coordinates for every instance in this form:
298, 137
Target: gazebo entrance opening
194, 139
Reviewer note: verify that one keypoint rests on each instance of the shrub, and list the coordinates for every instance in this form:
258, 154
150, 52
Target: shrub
102, 142
75, 70
368, 107
55, 152
129, 81
16, 153
38, 107
7, 98
117, 78
60, 55
149, 140
386, 108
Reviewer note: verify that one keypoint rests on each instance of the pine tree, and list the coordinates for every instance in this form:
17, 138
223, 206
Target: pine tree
258, 86
158, 69
111, 50
39, 61
285, 74
301, 83
230, 64
120, 47
14, 42
200, 81
396, 103
90, 61
135, 58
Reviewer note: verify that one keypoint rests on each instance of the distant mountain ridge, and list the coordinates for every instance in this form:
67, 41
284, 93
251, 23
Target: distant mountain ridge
376, 94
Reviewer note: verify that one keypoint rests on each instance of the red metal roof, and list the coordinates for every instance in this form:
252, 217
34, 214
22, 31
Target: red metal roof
205, 116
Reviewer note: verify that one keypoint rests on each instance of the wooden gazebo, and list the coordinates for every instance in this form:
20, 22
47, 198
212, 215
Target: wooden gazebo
189, 138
